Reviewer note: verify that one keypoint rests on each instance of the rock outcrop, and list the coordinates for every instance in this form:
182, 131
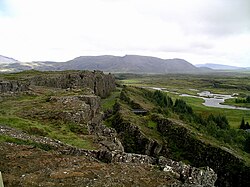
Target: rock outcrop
80, 109
101, 84
84, 112
134, 140
187, 174
231, 170
13, 86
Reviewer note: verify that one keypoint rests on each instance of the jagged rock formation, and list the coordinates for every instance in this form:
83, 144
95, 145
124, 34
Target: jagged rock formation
134, 140
231, 170
84, 111
13, 86
81, 109
99, 82
187, 175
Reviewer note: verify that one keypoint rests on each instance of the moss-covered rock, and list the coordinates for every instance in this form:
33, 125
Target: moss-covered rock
231, 169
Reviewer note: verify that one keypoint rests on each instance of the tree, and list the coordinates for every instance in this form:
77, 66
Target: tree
181, 106
248, 99
220, 120
247, 144
247, 126
162, 100
242, 124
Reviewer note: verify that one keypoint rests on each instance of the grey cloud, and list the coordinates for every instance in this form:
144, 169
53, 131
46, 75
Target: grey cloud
210, 17
226, 17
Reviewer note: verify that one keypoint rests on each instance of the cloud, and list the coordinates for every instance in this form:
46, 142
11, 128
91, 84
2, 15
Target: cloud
211, 17
63, 29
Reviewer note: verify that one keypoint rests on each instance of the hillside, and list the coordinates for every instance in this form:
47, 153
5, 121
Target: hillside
108, 63
129, 64
72, 137
218, 66
4, 59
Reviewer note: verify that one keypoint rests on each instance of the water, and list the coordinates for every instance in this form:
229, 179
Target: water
210, 99
215, 100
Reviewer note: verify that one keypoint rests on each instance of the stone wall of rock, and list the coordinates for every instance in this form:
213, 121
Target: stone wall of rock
13, 86
80, 109
188, 175
135, 141
101, 84
231, 170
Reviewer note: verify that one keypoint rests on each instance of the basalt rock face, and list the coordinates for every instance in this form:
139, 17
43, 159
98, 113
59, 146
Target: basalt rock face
84, 111
80, 109
13, 86
134, 140
187, 174
231, 170
101, 84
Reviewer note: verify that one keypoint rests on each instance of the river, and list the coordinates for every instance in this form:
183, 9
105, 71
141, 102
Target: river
210, 99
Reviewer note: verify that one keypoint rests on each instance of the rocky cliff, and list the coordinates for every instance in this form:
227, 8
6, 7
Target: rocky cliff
133, 139
56, 104
101, 84
179, 142
13, 86
231, 169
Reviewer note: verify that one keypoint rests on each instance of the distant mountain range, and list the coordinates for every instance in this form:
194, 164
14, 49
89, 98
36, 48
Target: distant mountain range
129, 64
108, 63
219, 66
115, 64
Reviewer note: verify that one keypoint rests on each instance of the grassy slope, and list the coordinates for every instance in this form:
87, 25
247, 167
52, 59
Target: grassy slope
149, 128
14, 112
183, 83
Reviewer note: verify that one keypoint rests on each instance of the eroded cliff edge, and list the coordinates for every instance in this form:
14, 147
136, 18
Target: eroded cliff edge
157, 135
67, 104
101, 84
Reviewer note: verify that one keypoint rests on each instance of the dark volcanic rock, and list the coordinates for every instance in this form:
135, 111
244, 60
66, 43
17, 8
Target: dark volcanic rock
13, 86
102, 84
231, 170
134, 140
188, 174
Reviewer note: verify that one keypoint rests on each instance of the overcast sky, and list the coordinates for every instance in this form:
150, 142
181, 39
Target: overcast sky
200, 31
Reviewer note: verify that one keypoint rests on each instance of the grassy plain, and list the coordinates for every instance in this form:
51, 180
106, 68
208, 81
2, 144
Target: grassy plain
226, 83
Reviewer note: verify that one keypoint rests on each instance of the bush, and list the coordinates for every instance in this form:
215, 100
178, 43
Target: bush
247, 144
219, 120
162, 100
76, 128
181, 106
36, 131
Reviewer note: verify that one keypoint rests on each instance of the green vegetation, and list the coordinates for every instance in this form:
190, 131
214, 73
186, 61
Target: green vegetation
212, 126
33, 115
45, 147
244, 125
109, 102
227, 83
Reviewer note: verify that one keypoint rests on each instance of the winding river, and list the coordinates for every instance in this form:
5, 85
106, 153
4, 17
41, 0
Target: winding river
210, 99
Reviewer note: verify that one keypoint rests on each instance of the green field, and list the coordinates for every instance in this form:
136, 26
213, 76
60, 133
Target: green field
191, 84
